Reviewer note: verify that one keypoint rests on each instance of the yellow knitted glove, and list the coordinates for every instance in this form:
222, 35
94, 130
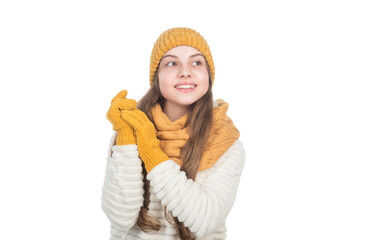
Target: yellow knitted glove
118, 104
147, 142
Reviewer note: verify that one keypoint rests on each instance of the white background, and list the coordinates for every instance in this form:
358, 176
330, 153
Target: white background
295, 74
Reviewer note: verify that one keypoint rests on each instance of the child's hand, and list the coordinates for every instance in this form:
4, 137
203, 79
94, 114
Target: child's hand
147, 142
118, 104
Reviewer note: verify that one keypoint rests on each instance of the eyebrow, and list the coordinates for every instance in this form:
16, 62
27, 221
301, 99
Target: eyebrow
174, 56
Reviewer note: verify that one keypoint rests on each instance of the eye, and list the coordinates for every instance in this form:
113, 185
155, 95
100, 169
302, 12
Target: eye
171, 64
197, 63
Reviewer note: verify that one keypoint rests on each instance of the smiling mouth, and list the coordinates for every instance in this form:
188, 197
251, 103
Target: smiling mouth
186, 86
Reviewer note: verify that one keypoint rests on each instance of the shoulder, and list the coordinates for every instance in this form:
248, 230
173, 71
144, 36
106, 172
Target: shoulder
236, 147
230, 163
234, 157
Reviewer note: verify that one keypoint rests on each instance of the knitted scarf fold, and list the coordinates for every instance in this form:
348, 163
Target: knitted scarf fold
174, 135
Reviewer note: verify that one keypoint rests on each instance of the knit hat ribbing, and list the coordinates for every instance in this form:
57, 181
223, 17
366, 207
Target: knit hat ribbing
179, 37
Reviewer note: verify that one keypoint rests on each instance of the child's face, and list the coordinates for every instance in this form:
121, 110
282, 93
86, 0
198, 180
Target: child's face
183, 76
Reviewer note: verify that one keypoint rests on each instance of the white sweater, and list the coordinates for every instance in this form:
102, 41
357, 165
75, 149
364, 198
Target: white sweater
202, 205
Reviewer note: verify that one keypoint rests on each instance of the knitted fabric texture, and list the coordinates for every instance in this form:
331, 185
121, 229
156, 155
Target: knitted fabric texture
147, 142
174, 135
202, 205
125, 132
179, 37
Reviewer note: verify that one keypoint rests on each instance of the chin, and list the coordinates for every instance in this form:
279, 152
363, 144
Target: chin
188, 102
184, 101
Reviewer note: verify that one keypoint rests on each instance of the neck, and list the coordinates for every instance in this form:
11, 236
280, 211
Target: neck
174, 111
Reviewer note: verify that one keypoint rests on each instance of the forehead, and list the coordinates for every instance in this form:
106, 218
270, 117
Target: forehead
182, 51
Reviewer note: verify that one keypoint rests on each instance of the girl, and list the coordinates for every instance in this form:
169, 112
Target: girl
175, 161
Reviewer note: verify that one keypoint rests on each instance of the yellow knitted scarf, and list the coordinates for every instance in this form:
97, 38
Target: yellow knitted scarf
173, 135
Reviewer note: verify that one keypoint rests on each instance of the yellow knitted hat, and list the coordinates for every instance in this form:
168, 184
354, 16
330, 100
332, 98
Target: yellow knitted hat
179, 37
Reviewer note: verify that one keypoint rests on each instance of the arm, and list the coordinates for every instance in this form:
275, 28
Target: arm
122, 192
201, 207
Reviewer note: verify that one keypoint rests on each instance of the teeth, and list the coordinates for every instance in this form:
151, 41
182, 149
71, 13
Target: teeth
185, 86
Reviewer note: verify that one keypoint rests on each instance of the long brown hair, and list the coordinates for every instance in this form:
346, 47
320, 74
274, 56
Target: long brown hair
199, 122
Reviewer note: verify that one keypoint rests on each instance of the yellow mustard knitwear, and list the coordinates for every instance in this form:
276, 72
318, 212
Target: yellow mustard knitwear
174, 135
180, 36
147, 142
125, 132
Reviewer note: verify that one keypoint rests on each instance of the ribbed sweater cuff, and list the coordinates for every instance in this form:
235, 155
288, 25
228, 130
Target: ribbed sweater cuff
125, 137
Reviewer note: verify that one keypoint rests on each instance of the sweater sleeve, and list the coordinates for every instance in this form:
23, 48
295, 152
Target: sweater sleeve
122, 192
202, 207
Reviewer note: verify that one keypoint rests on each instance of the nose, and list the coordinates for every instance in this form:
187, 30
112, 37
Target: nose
184, 72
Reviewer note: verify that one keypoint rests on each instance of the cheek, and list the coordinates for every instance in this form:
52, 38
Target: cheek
164, 85
204, 87
204, 82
